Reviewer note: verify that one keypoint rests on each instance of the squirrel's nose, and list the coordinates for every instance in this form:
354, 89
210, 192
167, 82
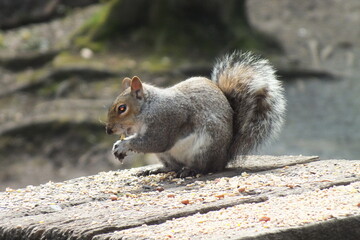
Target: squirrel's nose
109, 130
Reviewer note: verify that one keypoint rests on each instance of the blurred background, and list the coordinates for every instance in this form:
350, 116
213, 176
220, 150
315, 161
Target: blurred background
62, 61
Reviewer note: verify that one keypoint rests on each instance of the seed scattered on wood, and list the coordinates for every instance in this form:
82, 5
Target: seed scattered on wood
244, 174
220, 196
264, 219
122, 136
160, 189
185, 202
113, 197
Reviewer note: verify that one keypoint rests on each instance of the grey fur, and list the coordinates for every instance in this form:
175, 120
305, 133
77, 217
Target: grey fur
201, 124
172, 114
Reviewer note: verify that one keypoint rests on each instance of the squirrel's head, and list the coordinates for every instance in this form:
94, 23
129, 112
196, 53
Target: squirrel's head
122, 114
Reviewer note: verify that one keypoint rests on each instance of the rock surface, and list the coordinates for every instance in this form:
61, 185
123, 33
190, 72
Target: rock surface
14, 13
318, 35
324, 37
308, 200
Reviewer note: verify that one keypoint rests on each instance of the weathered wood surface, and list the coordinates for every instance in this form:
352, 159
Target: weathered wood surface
289, 197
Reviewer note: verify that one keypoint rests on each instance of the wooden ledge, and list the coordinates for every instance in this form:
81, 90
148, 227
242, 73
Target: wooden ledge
287, 197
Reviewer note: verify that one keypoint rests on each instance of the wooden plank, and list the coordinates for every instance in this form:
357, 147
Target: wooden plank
113, 204
262, 163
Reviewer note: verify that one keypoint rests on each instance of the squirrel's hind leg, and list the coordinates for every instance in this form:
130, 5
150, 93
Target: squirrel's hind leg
148, 172
186, 172
169, 165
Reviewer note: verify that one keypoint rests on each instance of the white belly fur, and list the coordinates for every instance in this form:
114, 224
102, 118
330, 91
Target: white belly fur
187, 148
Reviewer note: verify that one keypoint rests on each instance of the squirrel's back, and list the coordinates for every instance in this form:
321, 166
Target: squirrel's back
256, 96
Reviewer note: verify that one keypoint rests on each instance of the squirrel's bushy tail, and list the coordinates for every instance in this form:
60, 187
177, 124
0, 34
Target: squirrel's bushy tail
256, 96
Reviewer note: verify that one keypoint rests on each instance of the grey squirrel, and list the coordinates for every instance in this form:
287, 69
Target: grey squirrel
199, 125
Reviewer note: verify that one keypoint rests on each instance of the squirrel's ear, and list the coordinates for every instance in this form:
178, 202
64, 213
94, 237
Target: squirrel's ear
125, 83
137, 88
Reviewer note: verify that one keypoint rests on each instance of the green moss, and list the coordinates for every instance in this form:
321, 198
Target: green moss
97, 46
37, 81
115, 62
23, 77
99, 27
155, 63
33, 76
170, 27
67, 59
49, 90
1, 40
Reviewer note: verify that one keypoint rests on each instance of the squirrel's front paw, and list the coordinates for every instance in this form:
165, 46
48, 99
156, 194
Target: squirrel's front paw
119, 150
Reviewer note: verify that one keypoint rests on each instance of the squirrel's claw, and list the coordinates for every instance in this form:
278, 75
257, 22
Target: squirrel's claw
119, 150
186, 172
120, 156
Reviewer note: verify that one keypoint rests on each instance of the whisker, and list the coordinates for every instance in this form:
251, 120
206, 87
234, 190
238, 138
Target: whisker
102, 122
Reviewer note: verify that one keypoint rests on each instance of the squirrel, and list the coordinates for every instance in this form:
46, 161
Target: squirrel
199, 125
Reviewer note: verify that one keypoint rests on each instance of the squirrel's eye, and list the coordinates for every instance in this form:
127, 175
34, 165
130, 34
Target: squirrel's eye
122, 108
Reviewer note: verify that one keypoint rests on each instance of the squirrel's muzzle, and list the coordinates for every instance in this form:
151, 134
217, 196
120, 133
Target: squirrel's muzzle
109, 130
